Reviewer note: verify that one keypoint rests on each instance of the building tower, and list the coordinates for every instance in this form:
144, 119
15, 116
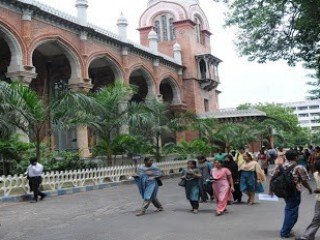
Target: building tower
182, 28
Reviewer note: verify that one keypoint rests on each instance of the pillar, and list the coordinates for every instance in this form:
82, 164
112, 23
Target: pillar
82, 131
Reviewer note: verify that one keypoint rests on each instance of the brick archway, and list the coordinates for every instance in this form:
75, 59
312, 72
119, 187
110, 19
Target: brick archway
170, 91
143, 80
71, 54
16, 52
103, 70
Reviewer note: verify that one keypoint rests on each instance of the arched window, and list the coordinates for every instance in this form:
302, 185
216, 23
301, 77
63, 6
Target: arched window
164, 27
157, 29
198, 28
172, 33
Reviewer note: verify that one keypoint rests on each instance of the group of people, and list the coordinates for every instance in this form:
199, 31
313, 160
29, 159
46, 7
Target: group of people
229, 176
223, 180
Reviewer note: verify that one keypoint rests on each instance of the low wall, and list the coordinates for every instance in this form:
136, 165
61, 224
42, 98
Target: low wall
15, 188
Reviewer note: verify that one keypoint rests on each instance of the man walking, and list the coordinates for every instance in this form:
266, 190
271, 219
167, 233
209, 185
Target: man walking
312, 229
148, 181
34, 173
205, 185
300, 178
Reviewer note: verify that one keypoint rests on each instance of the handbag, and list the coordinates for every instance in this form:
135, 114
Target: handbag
182, 183
159, 182
259, 187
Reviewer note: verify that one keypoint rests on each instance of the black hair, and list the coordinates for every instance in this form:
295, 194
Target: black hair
147, 159
229, 156
194, 163
201, 157
33, 160
242, 148
291, 155
317, 165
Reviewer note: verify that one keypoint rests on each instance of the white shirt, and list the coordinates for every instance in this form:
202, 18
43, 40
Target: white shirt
35, 170
317, 179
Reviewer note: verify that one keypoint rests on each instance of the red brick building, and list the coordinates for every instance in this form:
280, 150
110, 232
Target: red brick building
46, 49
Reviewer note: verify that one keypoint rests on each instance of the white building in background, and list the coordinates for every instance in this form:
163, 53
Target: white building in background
308, 113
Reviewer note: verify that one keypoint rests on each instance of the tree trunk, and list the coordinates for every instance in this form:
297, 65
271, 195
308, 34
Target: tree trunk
158, 153
38, 146
108, 149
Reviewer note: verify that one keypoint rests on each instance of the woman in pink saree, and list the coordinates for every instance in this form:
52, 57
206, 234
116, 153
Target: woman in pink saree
222, 186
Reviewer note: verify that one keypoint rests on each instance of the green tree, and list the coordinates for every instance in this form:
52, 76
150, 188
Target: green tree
108, 114
152, 120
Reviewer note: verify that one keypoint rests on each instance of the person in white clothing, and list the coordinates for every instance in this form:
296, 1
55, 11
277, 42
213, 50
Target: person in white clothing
34, 173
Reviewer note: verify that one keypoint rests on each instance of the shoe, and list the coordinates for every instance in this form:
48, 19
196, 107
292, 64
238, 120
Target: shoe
33, 201
140, 214
290, 235
43, 197
195, 211
159, 210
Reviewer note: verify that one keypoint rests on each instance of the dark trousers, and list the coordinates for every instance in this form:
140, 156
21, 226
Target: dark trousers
195, 205
291, 214
312, 229
237, 194
205, 190
155, 203
34, 183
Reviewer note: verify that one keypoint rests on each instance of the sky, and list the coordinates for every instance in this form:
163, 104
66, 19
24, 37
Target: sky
241, 81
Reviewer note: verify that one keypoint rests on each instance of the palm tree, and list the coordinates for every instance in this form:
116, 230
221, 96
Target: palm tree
106, 115
9, 111
152, 120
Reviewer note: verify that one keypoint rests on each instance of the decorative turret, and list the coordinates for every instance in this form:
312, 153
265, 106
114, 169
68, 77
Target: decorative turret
122, 24
177, 53
82, 6
153, 41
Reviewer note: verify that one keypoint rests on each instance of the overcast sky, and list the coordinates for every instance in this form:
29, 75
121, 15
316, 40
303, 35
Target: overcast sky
242, 81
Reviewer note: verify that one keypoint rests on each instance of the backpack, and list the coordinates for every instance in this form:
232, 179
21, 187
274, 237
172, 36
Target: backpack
282, 185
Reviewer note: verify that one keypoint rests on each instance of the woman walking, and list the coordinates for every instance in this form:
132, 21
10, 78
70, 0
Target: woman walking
233, 167
191, 178
222, 186
251, 178
147, 181
263, 161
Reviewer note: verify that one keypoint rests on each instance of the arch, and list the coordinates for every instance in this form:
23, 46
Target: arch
114, 64
71, 54
141, 71
178, 11
198, 13
163, 23
163, 86
15, 46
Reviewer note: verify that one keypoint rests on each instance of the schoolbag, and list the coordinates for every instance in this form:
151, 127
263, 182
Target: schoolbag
283, 185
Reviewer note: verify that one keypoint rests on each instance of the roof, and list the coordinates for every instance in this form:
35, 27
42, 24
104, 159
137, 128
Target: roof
234, 113
70, 18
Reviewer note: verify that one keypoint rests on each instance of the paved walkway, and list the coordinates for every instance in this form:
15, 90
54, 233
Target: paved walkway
109, 215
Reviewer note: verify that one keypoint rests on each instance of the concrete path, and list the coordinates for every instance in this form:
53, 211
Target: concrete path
109, 215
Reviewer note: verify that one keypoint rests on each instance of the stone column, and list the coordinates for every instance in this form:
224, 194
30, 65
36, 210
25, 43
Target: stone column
208, 68
82, 131
83, 142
